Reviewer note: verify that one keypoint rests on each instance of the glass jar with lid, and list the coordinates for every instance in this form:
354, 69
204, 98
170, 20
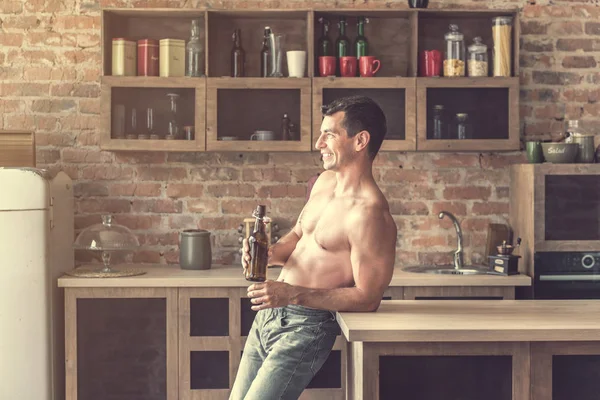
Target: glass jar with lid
462, 126
438, 123
478, 58
454, 59
502, 34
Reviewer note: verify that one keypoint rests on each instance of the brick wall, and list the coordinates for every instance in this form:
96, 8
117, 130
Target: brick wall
50, 67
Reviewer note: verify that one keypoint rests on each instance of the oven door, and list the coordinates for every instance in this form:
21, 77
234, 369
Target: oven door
569, 219
567, 286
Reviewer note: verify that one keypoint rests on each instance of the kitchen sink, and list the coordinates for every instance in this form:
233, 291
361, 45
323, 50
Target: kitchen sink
447, 270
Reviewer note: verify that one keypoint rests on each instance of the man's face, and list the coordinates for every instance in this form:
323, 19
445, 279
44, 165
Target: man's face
336, 148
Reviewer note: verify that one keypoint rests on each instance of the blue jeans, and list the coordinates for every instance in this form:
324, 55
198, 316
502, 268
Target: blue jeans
285, 348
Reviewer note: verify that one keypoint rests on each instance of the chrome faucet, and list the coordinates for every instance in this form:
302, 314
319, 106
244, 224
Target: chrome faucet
458, 254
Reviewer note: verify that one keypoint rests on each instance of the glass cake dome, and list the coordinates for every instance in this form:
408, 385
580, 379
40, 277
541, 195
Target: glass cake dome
108, 238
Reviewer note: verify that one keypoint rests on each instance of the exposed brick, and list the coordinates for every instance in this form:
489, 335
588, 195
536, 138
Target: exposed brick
267, 174
581, 95
243, 207
212, 173
159, 239
490, 208
76, 22
537, 44
550, 95
47, 156
139, 157
456, 160
136, 189
92, 205
178, 190
157, 206
147, 257
11, 6
205, 205
556, 78
304, 174
107, 172
91, 106
18, 21
161, 173
435, 258
548, 111
11, 39
563, 28
429, 241
139, 222
467, 193
219, 223
502, 192
502, 161
408, 208
282, 191
579, 62
76, 155
536, 60
578, 44
52, 106
445, 177
90, 189
402, 175
209, 159
475, 224
230, 190
455, 208
44, 38
592, 28
533, 27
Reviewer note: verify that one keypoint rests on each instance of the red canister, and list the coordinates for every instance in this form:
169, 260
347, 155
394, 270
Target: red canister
147, 57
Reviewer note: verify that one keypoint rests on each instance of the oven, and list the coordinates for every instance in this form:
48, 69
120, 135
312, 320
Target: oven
566, 275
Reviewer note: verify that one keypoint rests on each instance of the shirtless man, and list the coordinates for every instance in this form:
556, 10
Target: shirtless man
338, 257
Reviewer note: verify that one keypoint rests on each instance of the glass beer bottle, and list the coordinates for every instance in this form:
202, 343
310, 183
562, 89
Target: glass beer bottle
259, 247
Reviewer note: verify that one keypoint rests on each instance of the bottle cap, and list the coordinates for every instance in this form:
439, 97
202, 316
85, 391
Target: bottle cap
261, 210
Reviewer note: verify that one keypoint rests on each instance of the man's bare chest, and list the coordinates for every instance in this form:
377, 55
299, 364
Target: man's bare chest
324, 220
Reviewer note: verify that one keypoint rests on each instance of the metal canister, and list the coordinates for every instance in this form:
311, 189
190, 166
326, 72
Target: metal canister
147, 57
172, 57
123, 57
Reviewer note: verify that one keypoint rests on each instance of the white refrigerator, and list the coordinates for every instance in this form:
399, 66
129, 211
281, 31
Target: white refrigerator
36, 237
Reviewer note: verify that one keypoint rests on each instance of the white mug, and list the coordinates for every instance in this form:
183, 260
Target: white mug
228, 138
263, 135
296, 62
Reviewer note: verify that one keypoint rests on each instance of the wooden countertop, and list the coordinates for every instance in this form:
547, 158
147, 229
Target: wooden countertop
475, 321
231, 276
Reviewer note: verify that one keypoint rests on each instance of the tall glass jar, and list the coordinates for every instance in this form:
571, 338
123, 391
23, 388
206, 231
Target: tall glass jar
194, 52
454, 60
478, 58
502, 33
462, 127
438, 123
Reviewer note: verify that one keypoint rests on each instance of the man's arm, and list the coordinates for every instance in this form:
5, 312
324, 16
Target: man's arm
372, 253
281, 251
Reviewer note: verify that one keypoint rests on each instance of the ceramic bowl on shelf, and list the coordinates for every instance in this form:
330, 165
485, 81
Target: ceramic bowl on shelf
560, 153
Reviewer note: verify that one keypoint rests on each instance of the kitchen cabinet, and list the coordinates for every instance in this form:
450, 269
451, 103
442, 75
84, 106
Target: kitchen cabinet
220, 107
179, 334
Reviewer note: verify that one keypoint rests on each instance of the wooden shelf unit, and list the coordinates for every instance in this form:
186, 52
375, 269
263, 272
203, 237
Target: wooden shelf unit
395, 37
146, 91
244, 105
483, 99
394, 95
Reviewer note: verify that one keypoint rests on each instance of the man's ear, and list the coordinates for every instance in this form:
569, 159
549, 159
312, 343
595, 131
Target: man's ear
361, 140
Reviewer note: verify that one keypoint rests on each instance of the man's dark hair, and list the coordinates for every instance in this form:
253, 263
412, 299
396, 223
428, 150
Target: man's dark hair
361, 114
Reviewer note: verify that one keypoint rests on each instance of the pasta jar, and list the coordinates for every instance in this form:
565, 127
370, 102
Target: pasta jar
454, 62
123, 57
478, 58
502, 33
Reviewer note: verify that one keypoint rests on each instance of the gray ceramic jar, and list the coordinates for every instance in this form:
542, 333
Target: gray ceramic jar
194, 249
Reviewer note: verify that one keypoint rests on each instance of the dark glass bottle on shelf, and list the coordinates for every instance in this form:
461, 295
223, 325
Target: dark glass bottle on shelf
361, 45
324, 46
259, 247
438, 123
342, 44
265, 54
237, 55
285, 128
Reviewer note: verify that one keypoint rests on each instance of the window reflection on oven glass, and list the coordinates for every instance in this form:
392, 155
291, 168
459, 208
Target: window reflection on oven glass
572, 208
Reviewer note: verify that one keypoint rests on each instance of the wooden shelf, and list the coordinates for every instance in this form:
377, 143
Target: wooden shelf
492, 105
394, 95
142, 93
395, 37
240, 106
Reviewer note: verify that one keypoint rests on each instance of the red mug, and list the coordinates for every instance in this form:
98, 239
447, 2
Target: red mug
327, 65
348, 66
430, 63
367, 65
